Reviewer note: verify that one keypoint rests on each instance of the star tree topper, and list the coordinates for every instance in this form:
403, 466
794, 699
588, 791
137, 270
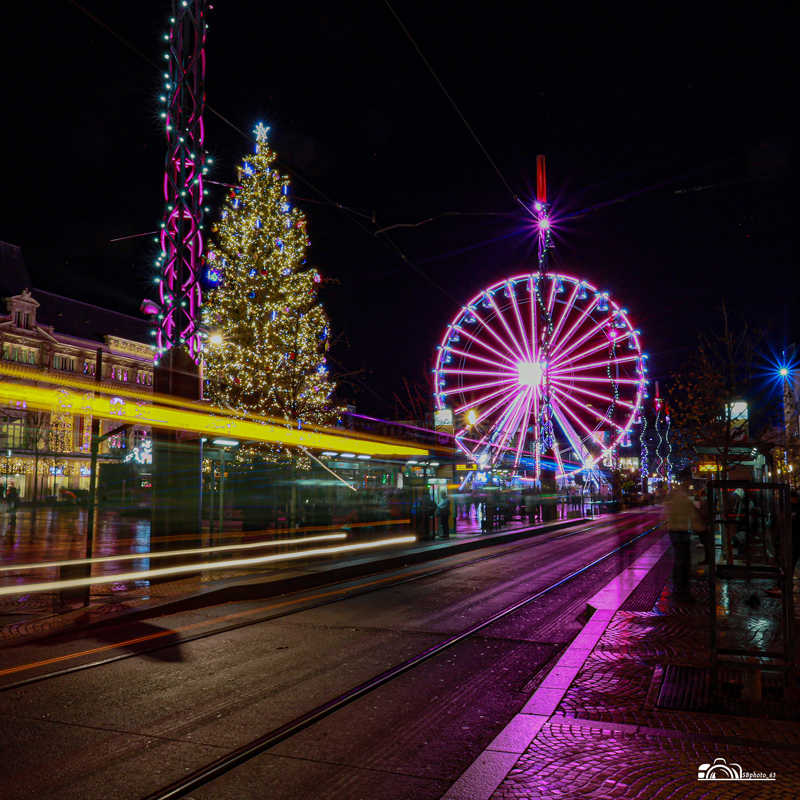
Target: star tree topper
261, 132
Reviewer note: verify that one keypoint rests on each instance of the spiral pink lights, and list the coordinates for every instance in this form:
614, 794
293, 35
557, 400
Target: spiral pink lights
181, 231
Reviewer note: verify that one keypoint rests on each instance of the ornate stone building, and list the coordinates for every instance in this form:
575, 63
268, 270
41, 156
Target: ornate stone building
45, 336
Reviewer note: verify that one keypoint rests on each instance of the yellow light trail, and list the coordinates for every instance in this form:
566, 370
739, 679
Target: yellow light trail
169, 553
139, 412
33, 588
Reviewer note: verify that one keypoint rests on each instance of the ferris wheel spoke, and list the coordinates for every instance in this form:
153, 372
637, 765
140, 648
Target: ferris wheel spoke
598, 347
487, 373
591, 434
575, 388
568, 398
467, 355
508, 430
500, 424
503, 392
531, 354
507, 327
515, 353
565, 313
604, 379
524, 427
480, 342
562, 351
476, 386
572, 436
582, 317
596, 365
507, 395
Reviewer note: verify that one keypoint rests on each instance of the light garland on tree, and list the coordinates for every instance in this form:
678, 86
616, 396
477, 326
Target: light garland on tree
644, 467
60, 433
668, 471
269, 332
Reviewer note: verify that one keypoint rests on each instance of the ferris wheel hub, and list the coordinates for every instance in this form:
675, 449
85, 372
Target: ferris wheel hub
531, 373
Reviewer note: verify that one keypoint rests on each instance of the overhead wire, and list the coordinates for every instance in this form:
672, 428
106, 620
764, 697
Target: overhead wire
513, 194
349, 213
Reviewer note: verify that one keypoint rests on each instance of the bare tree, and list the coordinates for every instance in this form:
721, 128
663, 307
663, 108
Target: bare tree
37, 440
415, 404
721, 406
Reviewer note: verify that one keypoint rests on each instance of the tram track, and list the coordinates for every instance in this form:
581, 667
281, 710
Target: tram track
300, 606
243, 754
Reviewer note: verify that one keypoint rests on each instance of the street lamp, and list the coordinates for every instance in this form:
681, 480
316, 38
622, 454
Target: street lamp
789, 406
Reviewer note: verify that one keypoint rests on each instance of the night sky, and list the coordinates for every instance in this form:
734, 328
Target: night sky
630, 109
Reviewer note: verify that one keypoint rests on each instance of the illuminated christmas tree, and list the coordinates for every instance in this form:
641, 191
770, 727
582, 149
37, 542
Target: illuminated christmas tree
269, 332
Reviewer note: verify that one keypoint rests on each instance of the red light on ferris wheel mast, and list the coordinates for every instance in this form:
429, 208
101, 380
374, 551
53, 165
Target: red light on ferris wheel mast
541, 182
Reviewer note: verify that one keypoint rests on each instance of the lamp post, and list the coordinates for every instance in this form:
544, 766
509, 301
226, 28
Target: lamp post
788, 405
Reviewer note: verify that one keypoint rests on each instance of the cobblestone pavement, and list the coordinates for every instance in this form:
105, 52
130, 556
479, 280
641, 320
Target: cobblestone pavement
609, 739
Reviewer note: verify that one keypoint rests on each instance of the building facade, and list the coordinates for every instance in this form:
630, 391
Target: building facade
55, 341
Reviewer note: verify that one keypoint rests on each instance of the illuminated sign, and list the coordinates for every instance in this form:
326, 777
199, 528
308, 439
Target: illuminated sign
443, 417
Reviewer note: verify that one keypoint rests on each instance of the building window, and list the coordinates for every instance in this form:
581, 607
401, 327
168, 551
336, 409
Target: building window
62, 362
88, 367
23, 319
15, 352
13, 434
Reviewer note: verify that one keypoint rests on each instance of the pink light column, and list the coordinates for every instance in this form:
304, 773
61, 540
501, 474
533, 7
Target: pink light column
181, 231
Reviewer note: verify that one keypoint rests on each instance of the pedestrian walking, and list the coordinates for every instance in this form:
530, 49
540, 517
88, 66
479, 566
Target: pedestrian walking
12, 501
700, 525
527, 499
443, 512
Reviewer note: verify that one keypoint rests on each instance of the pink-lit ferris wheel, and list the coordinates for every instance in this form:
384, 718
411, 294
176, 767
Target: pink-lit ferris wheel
541, 368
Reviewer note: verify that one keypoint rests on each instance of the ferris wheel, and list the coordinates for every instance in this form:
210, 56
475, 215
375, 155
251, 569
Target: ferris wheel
541, 369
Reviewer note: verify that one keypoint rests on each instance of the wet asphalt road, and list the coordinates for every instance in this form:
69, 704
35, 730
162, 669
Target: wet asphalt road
125, 729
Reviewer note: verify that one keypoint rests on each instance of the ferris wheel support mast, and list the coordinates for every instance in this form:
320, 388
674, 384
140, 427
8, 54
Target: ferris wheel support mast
543, 426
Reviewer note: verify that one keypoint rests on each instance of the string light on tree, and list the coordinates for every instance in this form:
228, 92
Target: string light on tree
266, 352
